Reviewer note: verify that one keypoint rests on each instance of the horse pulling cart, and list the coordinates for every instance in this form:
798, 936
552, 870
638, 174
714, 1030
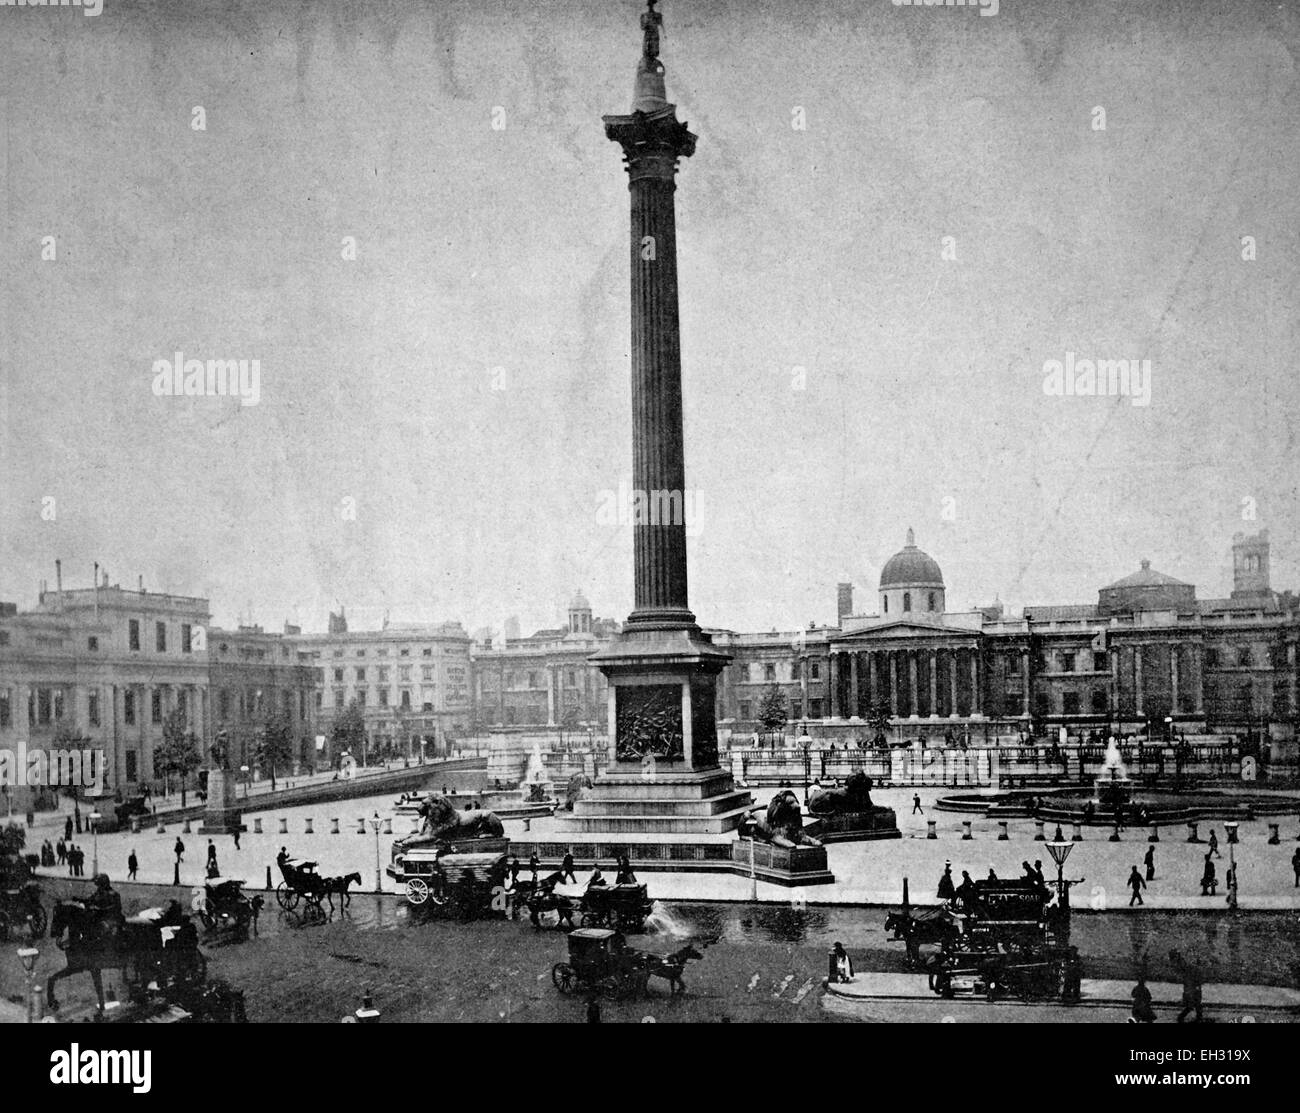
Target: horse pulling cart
222, 904
301, 885
624, 907
600, 961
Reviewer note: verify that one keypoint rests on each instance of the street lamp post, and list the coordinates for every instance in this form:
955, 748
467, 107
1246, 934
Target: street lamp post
805, 740
95, 817
374, 826
28, 956
1059, 848
244, 769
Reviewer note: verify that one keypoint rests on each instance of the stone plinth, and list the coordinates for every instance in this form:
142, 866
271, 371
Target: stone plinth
878, 823
783, 865
222, 816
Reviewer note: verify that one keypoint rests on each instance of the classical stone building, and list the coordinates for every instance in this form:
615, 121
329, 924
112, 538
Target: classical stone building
545, 679
107, 665
412, 682
1149, 654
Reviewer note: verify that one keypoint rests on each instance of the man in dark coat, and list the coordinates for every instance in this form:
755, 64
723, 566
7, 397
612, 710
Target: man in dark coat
946, 890
1136, 883
1150, 863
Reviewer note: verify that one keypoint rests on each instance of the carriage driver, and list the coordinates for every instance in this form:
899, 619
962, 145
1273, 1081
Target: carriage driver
105, 904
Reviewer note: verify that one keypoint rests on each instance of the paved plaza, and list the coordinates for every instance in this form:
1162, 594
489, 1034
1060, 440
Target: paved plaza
865, 872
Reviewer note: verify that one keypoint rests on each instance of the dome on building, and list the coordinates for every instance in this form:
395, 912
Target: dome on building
910, 567
579, 602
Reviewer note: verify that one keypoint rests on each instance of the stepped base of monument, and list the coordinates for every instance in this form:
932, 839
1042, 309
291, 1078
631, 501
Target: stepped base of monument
881, 823
658, 802
679, 854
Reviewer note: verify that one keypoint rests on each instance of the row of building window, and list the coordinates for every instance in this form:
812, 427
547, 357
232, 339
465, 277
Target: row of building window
426, 652
932, 602
160, 636
403, 674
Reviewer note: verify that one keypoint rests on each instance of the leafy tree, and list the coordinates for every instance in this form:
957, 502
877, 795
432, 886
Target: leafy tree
771, 708
179, 752
349, 730
275, 748
877, 718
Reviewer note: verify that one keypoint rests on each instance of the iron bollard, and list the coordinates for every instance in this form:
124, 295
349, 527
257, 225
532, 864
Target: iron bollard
257, 825
361, 826
388, 827
1155, 834
1231, 828
135, 825
161, 829
1114, 835
284, 825
1274, 837
1002, 831
187, 829
334, 826
965, 830
528, 824
832, 974
309, 831
269, 886
1038, 831
930, 832
1191, 832
1078, 832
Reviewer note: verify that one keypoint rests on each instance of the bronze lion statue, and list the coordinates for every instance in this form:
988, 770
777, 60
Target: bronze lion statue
443, 823
855, 796
782, 825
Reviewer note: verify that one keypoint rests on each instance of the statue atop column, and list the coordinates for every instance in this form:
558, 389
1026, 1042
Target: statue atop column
651, 21
650, 95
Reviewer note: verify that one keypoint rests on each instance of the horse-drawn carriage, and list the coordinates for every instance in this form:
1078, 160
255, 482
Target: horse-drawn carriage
302, 885
600, 961
157, 950
20, 900
1031, 971
624, 907
455, 883
222, 904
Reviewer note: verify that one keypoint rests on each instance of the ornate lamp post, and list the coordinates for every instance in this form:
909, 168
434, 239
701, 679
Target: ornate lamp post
805, 741
28, 956
244, 769
375, 824
1060, 849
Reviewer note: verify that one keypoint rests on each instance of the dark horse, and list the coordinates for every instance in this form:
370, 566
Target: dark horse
670, 967
340, 885
930, 926
94, 944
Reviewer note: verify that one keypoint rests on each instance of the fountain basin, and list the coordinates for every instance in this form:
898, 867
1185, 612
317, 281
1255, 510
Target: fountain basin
1161, 806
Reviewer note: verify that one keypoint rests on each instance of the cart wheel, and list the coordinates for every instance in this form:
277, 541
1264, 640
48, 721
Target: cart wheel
417, 890
288, 898
564, 977
37, 921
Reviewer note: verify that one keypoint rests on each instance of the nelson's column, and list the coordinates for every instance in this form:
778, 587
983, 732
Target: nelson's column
663, 776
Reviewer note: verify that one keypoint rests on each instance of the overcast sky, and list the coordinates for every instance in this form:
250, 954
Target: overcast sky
465, 379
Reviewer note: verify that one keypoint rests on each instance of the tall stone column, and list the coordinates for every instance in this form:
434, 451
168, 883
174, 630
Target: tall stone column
975, 701
952, 682
1137, 680
854, 709
834, 671
893, 683
1024, 671
1173, 678
1291, 669
913, 708
933, 709
873, 677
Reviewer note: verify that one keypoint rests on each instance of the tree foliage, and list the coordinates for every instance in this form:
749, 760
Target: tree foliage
178, 754
772, 709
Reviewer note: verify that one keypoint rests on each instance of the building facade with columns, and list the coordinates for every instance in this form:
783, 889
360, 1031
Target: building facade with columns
546, 679
1148, 655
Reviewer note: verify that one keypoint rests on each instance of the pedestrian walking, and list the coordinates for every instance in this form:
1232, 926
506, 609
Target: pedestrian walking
1136, 883
1190, 975
1038, 873
212, 855
1214, 844
72, 859
1150, 862
61, 851
179, 850
67, 829
1143, 1013
1209, 883
76, 814
916, 804
566, 870
1295, 866
534, 864
132, 864
946, 889
236, 833
843, 964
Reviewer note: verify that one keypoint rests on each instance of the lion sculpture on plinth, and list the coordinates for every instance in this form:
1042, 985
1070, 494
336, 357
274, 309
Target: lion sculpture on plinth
855, 796
443, 823
782, 824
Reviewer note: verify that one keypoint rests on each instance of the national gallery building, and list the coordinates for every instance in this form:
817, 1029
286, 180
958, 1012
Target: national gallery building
1147, 655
